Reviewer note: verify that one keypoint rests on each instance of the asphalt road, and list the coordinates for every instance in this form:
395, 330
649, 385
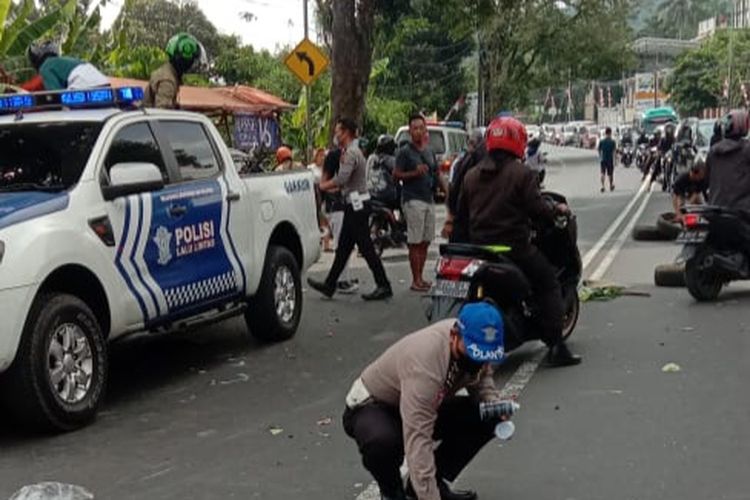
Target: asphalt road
213, 414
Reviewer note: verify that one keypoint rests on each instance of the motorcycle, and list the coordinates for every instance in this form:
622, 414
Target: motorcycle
468, 273
387, 226
716, 249
626, 156
641, 157
668, 171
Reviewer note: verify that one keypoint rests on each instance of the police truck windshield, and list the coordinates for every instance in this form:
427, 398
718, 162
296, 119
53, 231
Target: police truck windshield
45, 156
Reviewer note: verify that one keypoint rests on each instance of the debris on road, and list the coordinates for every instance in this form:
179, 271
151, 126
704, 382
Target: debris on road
241, 377
671, 368
325, 421
52, 491
275, 431
603, 291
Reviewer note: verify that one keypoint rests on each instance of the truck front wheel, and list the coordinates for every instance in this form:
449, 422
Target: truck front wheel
275, 311
58, 378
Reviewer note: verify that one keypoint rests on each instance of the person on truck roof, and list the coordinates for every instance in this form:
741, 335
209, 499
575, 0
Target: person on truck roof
163, 88
56, 72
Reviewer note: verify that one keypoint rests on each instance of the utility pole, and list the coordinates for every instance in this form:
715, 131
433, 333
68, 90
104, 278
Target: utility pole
656, 88
308, 99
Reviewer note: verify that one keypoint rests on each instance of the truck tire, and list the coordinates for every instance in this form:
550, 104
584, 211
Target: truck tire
670, 275
648, 233
667, 225
58, 378
275, 311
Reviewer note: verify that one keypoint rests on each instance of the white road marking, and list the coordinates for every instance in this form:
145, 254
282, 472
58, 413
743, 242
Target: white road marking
620, 241
523, 375
591, 254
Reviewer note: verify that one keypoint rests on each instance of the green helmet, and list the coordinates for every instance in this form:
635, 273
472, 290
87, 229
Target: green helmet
183, 50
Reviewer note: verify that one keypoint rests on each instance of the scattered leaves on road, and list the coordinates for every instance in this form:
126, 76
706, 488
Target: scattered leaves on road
601, 291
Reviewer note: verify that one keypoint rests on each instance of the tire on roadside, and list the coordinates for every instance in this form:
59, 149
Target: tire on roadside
275, 311
29, 392
668, 226
670, 275
648, 233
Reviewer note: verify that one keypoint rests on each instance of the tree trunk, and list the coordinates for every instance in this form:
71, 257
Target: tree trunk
351, 57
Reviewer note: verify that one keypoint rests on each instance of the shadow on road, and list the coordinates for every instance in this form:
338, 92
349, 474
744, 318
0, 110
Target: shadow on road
148, 363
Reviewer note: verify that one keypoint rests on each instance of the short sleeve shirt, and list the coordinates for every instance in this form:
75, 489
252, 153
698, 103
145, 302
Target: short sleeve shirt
607, 151
420, 188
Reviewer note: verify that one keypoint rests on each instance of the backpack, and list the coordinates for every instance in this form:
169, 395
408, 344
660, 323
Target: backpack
380, 180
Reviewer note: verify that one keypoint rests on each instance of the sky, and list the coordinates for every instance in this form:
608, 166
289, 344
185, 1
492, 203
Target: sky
279, 22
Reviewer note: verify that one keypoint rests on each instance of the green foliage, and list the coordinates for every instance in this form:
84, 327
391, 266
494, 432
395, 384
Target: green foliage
678, 18
134, 62
151, 23
698, 78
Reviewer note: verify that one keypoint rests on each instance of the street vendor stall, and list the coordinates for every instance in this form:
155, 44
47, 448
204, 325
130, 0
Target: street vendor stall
248, 117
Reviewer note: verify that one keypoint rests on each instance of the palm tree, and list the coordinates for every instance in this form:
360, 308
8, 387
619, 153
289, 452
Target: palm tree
682, 15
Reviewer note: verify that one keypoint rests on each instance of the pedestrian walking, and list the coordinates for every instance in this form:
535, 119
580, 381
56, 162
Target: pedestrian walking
416, 168
607, 147
351, 181
334, 208
406, 400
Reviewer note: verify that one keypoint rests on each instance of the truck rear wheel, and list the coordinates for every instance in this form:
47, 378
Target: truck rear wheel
275, 311
58, 378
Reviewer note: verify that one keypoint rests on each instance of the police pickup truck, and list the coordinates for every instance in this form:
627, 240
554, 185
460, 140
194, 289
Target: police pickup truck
117, 220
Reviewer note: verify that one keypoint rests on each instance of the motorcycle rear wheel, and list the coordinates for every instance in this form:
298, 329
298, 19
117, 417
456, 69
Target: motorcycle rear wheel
571, 316
703, 285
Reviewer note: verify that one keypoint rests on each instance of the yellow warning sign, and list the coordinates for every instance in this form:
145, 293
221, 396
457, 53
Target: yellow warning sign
307, 62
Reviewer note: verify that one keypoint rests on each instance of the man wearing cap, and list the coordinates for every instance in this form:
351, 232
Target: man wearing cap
405, 401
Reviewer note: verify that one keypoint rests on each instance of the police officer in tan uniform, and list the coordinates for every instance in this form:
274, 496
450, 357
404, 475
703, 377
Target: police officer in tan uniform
406, 400
164, 86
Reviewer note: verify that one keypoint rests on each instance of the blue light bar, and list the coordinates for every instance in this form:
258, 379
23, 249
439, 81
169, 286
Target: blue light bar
76, 99
16, 102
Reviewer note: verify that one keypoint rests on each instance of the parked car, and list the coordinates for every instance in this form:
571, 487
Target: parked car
115, 221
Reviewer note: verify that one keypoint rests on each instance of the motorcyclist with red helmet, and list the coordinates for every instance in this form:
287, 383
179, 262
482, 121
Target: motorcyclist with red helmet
498, 200
728, 164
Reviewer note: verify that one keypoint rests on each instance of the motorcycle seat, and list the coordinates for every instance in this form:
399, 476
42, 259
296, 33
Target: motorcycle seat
484, 252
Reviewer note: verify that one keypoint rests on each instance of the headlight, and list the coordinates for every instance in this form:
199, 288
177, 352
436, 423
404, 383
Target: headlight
2, 251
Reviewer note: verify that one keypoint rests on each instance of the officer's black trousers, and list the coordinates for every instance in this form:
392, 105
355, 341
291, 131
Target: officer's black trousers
377, 429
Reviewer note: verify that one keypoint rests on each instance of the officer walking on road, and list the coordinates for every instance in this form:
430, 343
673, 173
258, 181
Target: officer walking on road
405, 401
351, 180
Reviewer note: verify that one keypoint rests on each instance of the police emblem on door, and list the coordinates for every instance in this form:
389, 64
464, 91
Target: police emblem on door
163, 240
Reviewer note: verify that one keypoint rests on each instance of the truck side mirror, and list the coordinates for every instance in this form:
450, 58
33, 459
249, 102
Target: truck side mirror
132, 178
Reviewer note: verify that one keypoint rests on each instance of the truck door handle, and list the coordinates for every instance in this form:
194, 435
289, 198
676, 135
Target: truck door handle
177, 210
233, 196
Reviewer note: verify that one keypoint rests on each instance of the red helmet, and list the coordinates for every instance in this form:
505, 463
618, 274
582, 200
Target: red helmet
507, 134
283, 154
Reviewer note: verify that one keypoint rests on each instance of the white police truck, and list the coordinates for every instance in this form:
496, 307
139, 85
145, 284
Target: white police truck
117, 220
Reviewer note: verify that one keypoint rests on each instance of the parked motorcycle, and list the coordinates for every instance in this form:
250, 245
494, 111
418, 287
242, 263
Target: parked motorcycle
467, 273
387, 226
716, 249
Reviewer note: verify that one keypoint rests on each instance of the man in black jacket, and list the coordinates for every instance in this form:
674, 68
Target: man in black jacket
498, 199
728, 164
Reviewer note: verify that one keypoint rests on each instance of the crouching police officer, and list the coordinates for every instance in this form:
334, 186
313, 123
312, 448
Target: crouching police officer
405, 401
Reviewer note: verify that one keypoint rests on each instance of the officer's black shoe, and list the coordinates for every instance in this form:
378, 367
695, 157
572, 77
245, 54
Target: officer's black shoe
380, 293
321, 287
446, 493
560, 355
